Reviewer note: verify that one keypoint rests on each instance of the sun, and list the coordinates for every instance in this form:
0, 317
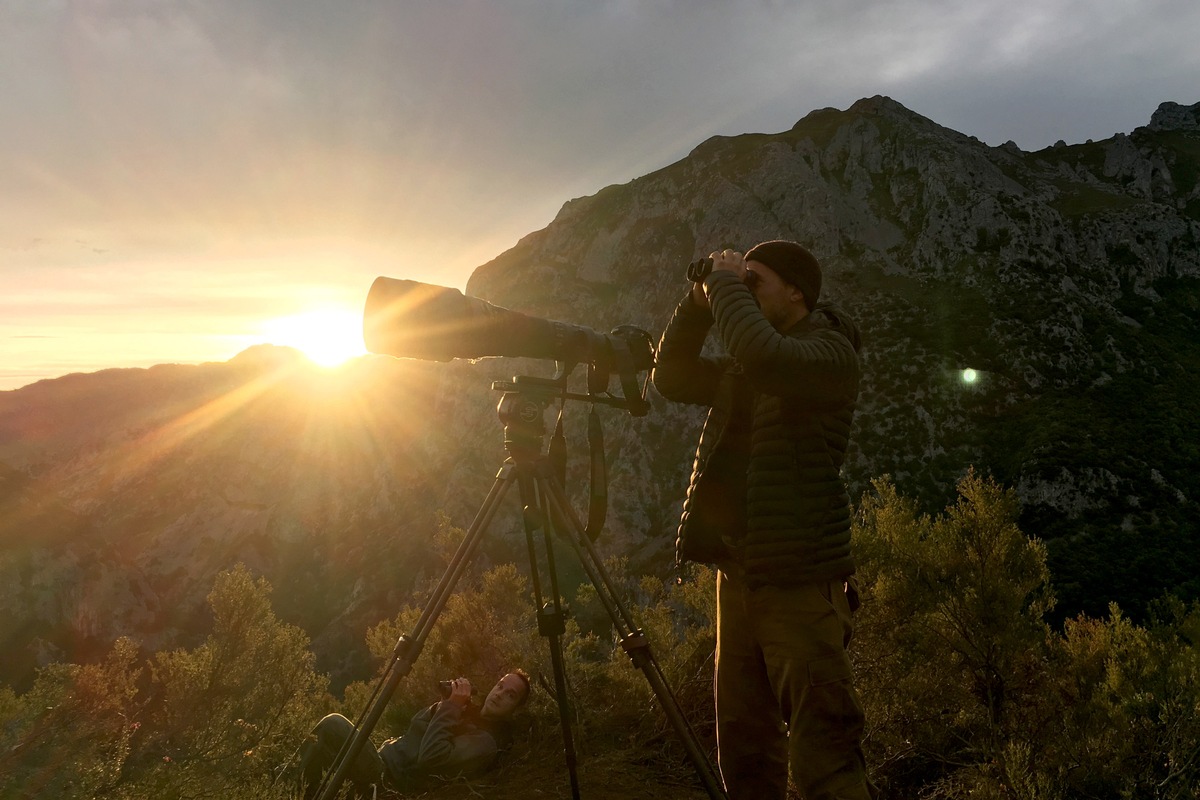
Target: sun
326, 336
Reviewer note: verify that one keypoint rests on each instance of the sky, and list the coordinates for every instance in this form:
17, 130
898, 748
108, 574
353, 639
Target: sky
182, 179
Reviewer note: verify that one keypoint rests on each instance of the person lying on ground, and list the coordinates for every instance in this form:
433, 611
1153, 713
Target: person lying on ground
453, 737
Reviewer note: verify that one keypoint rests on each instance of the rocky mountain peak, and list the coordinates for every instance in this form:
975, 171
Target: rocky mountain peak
1175, 117
884, 106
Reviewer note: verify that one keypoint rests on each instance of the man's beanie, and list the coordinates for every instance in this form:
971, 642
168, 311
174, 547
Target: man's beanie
794, 264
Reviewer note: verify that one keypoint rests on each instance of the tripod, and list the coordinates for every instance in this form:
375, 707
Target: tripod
546, 510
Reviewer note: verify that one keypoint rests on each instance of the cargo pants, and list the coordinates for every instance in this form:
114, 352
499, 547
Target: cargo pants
321, 749
785, 694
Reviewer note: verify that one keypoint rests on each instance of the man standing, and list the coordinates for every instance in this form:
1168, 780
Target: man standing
767, 506
449, 738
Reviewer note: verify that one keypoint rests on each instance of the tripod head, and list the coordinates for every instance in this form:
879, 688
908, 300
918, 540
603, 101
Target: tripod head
521, 410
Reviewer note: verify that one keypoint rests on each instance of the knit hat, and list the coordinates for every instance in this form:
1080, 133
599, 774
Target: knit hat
794, 264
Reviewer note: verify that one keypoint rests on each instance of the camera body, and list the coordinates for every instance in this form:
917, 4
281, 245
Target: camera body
446, 687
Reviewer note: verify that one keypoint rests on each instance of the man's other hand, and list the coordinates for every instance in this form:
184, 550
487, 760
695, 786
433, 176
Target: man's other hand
460, 691
728, 260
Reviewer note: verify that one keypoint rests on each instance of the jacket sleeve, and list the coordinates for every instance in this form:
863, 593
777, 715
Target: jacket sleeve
818, 367
443, 751
680, 372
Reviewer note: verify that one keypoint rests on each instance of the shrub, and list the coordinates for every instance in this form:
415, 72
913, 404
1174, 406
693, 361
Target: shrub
70, 735
229, 712
217, 721
950, 644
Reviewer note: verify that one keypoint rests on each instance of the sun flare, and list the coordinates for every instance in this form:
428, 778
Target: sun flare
326, 336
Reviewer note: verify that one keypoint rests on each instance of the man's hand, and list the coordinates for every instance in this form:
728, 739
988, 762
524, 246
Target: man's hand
460, 691
728, 260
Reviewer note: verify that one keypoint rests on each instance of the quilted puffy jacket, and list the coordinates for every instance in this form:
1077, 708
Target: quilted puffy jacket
766, 500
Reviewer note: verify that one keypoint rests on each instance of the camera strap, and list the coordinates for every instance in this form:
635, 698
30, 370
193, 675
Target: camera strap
598, 503
557, 451
598, 473
634, 398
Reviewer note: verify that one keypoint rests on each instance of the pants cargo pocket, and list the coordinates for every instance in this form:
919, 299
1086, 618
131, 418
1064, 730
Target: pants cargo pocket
834, 668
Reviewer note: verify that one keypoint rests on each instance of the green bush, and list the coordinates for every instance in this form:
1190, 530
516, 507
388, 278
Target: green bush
951, 637
1131, 705
217, 721
616, 700
969, 692
233, 709
70, 735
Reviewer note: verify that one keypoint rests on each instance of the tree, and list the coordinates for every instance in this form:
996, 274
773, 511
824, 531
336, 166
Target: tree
1131, 705
951, 639
229, 712
70, 735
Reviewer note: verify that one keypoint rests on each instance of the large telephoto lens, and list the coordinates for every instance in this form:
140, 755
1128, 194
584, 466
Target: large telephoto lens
409, 319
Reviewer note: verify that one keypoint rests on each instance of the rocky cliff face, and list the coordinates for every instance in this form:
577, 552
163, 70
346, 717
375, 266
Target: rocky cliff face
1067, 280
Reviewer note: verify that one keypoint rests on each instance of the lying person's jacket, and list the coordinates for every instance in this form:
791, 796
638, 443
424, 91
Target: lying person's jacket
444, 740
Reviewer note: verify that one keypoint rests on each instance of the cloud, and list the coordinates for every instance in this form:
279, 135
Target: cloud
202, 113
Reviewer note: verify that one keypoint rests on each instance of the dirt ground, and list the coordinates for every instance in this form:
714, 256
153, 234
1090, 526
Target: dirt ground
544, 776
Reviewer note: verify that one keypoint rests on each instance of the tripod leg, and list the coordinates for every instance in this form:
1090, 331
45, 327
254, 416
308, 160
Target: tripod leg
409, 647
551, 619
560, 691
632, 640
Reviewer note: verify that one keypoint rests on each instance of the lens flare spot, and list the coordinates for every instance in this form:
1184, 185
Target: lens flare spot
969, 375
327, 336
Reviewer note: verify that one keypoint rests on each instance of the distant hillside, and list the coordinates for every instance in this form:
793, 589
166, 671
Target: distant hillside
125, 492
1067, 279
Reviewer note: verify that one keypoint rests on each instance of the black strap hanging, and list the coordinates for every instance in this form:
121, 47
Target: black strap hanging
598, 504
557, 451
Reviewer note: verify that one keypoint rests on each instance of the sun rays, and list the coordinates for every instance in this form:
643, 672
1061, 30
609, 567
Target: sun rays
326, 336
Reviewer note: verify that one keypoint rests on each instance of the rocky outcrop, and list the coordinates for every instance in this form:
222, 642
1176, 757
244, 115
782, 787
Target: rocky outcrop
1174, 117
